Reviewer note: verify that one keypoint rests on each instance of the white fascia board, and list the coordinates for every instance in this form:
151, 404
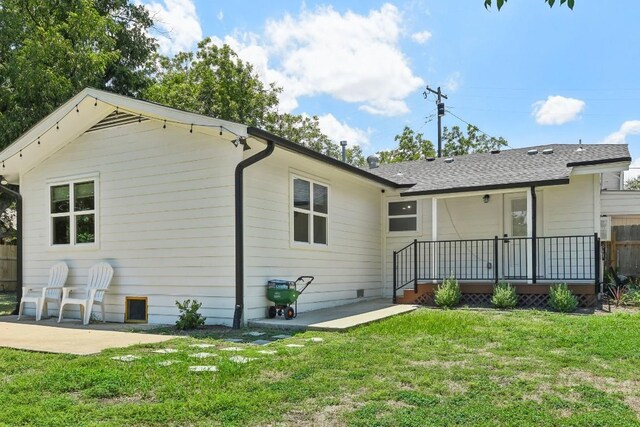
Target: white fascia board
603, 168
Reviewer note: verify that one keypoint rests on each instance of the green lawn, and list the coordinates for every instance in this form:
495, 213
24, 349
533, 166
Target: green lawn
429, 367
7, 302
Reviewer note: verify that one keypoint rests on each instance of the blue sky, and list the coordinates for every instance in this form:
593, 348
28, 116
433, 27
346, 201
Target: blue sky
531, 74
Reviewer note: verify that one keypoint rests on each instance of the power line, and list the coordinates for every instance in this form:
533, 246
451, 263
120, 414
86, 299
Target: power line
474, 126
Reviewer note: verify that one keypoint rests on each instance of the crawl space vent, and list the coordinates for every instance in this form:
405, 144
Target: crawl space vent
135, 310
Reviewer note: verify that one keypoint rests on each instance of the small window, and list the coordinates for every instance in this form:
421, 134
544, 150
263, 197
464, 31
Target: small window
403, 216
73, 213
310, 212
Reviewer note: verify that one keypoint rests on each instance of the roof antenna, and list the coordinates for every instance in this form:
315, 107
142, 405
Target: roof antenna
580, 145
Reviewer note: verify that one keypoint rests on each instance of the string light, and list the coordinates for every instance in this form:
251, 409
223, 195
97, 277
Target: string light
117, 112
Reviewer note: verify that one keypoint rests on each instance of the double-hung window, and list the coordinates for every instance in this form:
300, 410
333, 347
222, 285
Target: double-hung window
403, 216
310, 212
73, 212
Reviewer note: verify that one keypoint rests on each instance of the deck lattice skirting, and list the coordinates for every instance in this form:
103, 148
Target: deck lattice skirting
479, 295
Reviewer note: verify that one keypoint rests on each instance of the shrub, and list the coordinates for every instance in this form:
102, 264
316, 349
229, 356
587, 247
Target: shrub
561, 298
618, 294
189, 316
632, 297
448, 293
504, 296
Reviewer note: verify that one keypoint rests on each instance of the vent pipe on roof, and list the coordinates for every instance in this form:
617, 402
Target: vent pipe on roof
343, 144
373, 161
580, 145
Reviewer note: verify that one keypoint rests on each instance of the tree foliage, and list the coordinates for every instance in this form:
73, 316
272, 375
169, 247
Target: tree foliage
411, 146
456, 143
632, 183
49, 50
500, 3
216, 82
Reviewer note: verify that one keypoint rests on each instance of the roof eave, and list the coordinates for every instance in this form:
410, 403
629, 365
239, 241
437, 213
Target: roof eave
525, 184
297, 148
599, 161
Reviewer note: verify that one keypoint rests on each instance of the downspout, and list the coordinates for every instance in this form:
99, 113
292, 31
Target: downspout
534, 235
239, 184
18, 197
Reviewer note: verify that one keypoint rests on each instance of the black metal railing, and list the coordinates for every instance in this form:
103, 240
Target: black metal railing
557, 258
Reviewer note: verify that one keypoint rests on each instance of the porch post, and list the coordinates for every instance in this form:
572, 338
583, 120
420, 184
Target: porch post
534, 234
434, 238
530, 227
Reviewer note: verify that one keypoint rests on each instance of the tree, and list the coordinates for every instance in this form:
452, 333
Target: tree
456, 143
500, 3
632, 183
49, 50
214, 81
411, 146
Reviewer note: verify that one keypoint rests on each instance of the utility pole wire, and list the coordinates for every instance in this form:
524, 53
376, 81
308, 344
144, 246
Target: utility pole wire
476, 127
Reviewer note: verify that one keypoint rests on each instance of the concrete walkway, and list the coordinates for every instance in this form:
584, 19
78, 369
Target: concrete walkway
70, 338
338, 318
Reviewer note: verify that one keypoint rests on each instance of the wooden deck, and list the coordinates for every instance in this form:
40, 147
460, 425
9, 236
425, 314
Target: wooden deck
479, 294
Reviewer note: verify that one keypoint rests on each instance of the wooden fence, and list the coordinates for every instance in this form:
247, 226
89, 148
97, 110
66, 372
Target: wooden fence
8, 267
625, 246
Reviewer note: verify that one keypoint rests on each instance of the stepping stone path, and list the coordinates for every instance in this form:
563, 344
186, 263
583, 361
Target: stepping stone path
268, 352
167, 362
281, 336
203, 368
254, 334
202, 355
294, 345
233, 339
241, 359
261, 342
315, 339
202, 345
232, 349
126, 358
165, 351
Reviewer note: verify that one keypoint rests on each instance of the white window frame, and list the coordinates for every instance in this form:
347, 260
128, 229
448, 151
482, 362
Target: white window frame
311, 213
417, 216
71, 181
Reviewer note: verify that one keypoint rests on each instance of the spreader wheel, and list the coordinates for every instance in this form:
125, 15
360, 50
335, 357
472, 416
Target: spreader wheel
289, 313
272, 312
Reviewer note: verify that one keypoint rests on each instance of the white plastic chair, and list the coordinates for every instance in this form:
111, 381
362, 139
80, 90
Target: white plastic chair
98, 281
42, 295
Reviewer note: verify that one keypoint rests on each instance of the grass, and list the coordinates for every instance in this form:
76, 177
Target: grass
430, 367
7, 302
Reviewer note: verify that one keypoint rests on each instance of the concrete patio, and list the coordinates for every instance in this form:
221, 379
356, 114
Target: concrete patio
71, 337
339, 318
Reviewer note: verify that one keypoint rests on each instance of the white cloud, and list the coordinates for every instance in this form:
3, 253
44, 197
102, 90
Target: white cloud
220, 15
557, 110
340, 131
453, 82
631, 127
350, 57
178, 24
421, 37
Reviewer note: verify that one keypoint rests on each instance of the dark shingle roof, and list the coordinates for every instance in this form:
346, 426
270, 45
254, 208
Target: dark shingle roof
507, 169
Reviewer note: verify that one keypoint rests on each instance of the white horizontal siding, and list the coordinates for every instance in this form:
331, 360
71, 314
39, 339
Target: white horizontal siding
570, 210
165, 213
611, 181
351, 261
620, 203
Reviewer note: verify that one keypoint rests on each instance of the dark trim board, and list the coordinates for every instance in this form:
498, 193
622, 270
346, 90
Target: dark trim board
524, 185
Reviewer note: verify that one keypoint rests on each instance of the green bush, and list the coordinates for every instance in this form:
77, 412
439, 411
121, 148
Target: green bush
504, 296
631, 297
561, 298
448, 293
189, 316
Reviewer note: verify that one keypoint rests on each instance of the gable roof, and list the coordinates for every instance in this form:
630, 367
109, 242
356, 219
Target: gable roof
506, 169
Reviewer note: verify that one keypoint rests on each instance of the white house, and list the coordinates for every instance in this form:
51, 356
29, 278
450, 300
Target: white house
188, 206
